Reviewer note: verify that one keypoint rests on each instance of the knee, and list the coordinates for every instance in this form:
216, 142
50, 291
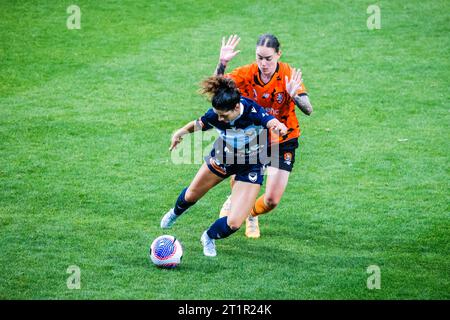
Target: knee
272, 200
234, 224
191, 195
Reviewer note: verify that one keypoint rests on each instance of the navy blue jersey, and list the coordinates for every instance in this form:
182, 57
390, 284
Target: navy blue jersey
243, 137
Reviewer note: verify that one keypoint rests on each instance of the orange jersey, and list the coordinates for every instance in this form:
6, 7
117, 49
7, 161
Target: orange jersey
272, 96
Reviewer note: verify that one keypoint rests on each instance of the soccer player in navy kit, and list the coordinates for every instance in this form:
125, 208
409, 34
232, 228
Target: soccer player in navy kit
239, 121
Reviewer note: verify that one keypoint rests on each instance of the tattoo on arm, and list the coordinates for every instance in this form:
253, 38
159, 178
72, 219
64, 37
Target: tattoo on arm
303, 104
220, 70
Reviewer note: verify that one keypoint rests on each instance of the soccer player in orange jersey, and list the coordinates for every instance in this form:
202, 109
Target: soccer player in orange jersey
278, 88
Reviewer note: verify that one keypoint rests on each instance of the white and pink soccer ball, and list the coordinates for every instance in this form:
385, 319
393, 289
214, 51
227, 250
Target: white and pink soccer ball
166, 252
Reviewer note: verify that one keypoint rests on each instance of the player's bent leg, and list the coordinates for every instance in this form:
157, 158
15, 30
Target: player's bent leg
277, 180
200, 185
243, 196
276, 184
203, 181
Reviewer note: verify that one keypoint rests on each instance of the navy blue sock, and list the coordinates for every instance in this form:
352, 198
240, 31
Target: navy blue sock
220, 229
182, 205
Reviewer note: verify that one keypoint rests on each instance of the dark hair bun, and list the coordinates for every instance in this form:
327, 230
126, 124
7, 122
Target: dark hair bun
222, 91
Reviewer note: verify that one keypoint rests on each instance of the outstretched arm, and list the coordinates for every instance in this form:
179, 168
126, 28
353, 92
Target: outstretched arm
227, 53
292, 85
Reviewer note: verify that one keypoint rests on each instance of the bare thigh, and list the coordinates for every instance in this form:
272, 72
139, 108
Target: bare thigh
276, 184
203, 181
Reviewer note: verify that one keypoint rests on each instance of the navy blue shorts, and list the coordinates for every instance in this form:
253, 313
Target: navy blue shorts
251, 173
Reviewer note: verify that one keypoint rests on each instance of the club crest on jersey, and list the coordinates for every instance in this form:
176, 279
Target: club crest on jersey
252, 176
287, 158
279, 97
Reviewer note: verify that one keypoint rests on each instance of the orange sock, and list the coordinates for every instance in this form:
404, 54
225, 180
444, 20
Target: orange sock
260, 207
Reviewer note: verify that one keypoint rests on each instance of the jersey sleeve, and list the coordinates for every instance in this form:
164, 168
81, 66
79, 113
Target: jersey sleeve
206, 121
260, 116
240, 75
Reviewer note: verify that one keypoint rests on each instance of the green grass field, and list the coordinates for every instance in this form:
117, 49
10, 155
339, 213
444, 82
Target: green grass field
86, 118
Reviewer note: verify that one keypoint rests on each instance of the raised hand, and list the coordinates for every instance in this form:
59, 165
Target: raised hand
227, 51
295, 83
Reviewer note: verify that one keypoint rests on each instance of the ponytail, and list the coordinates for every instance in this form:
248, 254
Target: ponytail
222, 92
